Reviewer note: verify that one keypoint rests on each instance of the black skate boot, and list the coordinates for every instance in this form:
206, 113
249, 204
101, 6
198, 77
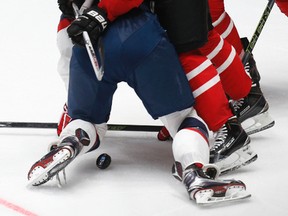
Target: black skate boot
55, 161
252, 111
205, 190
231, 148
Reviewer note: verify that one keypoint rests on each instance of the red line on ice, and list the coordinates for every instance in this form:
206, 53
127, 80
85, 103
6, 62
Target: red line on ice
16, 208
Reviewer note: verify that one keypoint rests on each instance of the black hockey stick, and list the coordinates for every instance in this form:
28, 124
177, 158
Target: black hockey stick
112, 127
258, 31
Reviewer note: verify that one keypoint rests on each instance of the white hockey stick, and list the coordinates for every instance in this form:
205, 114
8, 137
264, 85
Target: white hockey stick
89, 47
87, 4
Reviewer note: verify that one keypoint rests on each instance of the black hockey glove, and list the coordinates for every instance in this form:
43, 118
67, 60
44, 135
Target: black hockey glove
93, 20
66, 6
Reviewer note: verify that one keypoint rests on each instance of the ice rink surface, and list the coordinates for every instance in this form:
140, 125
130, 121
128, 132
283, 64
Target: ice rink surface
139, 180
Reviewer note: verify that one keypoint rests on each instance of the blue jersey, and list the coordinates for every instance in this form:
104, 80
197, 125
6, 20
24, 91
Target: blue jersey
136, 51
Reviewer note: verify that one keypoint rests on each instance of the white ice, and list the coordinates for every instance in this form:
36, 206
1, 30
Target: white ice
139, 181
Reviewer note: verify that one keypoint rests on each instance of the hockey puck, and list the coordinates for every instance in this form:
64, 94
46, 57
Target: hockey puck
103, 161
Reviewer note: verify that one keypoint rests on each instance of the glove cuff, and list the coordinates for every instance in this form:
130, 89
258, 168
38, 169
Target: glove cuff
99, 15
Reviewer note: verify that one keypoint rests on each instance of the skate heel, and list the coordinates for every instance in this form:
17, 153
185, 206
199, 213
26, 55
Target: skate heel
238, 159
258, 123
252, 111
203, 196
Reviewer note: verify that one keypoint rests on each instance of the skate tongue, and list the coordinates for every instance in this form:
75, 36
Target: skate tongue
199, 165
194, 166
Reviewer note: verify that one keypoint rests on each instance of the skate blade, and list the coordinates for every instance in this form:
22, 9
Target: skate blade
43, 175
241, 157
258, 123
234, 193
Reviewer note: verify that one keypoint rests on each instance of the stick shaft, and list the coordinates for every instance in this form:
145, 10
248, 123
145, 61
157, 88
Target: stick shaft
112, 127
89, 47
258, 31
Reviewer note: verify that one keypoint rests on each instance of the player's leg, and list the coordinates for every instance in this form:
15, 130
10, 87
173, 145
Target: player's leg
211, 103
251, 105
190, 144
90, 101
252, 109
81, 134
224, 25
191, 153
213, 107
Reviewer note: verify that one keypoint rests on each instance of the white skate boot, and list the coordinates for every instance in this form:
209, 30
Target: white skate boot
206, 190
54, 162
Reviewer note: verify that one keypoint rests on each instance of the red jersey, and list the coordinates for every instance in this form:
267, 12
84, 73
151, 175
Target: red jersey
283, 5
115, 8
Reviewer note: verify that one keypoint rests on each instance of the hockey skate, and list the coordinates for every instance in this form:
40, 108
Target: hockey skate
206, 190
54, 162
252, 111
231, 148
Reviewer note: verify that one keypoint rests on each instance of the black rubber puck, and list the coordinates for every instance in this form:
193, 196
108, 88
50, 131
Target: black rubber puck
103, 161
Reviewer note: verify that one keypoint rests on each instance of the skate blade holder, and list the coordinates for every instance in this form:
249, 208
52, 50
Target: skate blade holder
233, 193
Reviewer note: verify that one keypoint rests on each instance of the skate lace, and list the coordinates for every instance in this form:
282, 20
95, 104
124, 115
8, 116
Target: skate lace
247, 67
220, 137
237, 104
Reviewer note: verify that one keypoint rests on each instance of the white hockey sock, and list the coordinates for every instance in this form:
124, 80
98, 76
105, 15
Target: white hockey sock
190, 146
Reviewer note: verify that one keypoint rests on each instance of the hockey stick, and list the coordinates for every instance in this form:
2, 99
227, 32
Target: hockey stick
89, 47
87, 4
112, 127
258, 31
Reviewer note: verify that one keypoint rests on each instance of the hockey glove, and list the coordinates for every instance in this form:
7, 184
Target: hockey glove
66, 6
93, 21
